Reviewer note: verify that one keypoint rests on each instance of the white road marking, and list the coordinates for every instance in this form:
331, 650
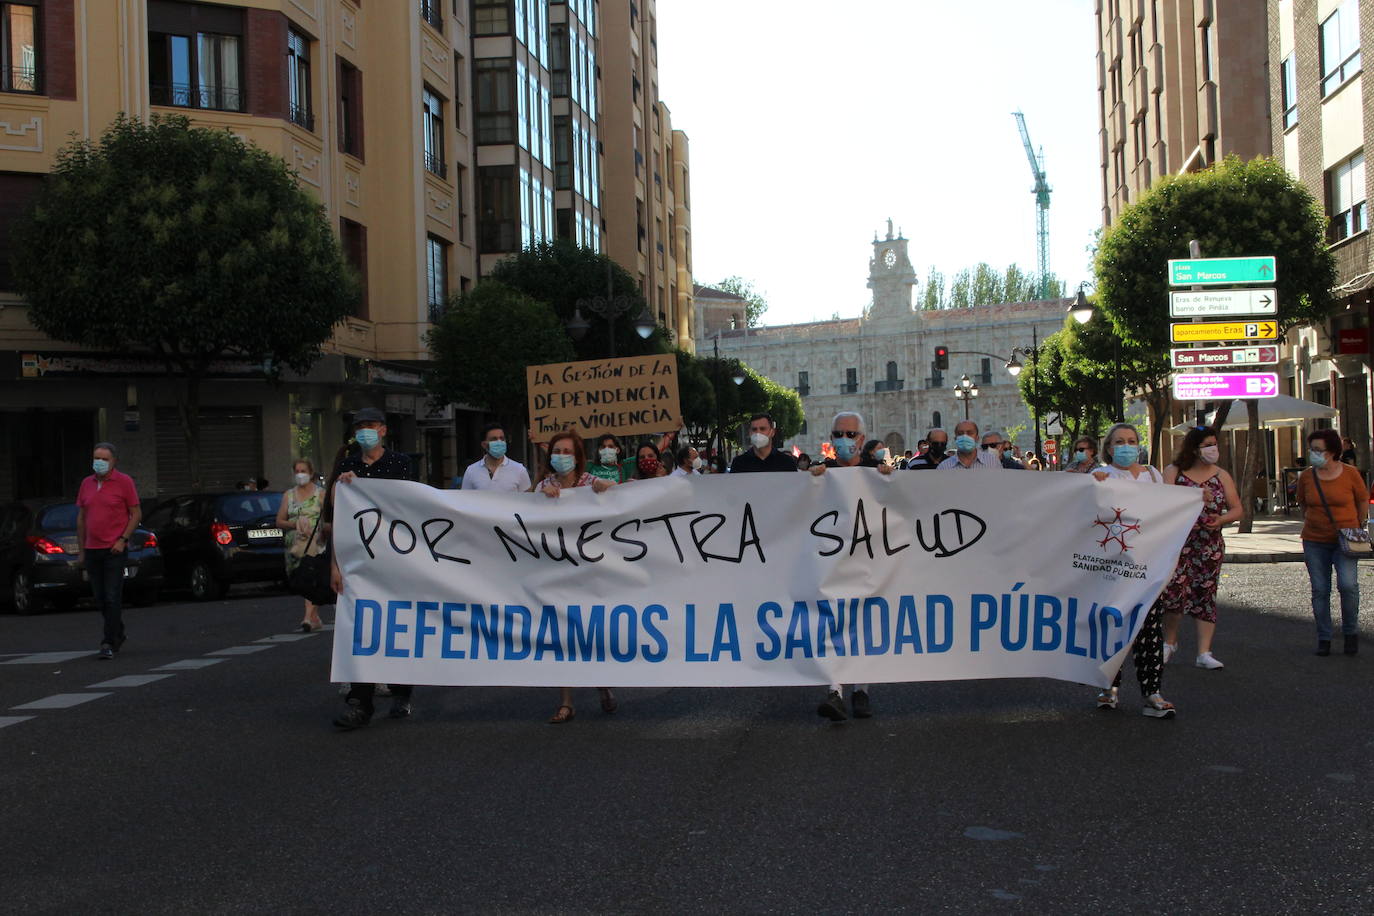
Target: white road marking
129, 680
62, 701
285, 637
48, 658
189, 664
239, 650
13, 720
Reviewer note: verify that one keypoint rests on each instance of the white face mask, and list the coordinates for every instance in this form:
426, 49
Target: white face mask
760, 440
302, 479
1209, 453
697, 463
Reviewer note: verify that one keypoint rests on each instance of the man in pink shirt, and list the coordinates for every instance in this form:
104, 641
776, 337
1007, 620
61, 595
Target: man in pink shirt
107, 513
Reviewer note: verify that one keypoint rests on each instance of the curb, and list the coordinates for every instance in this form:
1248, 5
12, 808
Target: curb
1285, 557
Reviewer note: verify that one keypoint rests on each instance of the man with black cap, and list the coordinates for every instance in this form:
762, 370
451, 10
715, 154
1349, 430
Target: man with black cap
372, 460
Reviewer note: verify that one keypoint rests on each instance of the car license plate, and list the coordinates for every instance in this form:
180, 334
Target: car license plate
255, 533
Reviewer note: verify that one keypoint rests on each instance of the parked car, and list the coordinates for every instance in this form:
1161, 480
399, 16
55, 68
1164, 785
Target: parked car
212, 540
39, 565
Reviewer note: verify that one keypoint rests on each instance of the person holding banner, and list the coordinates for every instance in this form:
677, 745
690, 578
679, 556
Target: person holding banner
372, 460
648, 462
495, 471
1192, 590
565, 468
607, 463
931, 451
967, 456
847, 438
761, 455
1084, 456
1122, 451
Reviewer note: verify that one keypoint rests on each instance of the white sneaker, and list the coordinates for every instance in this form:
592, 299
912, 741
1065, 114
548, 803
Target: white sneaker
1208, 660
1169, 650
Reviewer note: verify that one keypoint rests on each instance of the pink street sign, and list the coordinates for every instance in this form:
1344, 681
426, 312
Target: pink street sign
1225, 386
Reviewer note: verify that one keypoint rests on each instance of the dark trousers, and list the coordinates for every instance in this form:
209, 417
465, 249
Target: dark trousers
106, 570
1148, 654
363, 694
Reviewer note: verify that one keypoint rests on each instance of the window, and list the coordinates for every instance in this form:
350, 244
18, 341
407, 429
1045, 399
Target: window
298, 78
494, 98
353, 240
195, 55
985, 376
562, 152
558, 67
851, 382
17, 191
1345, 191
436, 276
433, 117
431, 13
350, 109
803, 383
1207, 53
18, 47
1340, 49
639, 219
460, 177
1288, 76
458, 65
935, 420
491, 17
498, 228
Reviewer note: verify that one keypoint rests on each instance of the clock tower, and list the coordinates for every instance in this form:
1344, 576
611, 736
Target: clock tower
891, 277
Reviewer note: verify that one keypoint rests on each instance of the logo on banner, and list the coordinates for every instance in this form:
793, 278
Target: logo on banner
1116, 529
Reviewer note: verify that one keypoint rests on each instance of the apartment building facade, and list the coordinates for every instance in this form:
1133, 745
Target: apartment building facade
439, 136
1181, 84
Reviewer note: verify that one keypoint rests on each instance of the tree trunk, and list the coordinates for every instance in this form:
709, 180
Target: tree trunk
190, 426
1157, 405
1223, 414
1251, 466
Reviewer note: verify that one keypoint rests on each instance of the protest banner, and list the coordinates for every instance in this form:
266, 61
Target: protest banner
629, 396
752, 580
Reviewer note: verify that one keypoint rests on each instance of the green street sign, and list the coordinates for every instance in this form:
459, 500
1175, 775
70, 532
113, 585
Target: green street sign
1221, 271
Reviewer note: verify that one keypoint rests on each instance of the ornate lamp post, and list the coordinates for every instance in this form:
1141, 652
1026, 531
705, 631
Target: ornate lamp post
736, 376
1014, 367
609, 307
965, 390
1083, 311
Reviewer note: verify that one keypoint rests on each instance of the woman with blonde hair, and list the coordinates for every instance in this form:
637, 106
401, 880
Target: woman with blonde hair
297, 517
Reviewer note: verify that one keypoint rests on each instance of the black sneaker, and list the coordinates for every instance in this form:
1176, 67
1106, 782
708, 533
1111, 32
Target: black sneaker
859, 701
1352, 644
832, 708
401, 708
106, 651
1323, 647
353, 717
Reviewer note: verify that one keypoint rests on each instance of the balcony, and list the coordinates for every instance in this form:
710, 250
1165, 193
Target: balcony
935, 381
891, 384
431, 13
435, 165
302, 116
185, 95
849, 388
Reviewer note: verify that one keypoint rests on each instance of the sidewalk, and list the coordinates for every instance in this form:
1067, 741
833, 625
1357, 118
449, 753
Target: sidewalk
1273, 540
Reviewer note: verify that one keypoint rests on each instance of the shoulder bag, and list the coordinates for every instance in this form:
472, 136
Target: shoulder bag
310, 578
1354, 541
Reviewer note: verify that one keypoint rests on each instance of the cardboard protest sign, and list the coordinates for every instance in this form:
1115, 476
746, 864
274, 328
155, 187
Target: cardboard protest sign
628, 396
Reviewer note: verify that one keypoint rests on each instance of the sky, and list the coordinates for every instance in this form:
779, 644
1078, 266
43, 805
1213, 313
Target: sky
811, 123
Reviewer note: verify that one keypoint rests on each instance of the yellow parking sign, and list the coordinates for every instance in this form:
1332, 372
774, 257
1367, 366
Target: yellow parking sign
1216, 331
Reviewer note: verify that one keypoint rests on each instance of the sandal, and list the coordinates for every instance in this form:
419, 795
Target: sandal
608, 703
1107, 698
1156, 707
563, 714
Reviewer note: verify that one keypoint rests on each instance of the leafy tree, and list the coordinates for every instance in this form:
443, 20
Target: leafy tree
784, 404
483, 343
961, 290
1233, 209
562, 272
986, 287
186, 243
933, 296
1017, 285
756, 303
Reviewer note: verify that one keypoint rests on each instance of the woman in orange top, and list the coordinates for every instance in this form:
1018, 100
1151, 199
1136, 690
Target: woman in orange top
1345, 494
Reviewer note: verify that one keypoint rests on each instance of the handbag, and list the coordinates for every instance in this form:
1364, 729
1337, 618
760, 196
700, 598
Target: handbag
1354, 541
310, 578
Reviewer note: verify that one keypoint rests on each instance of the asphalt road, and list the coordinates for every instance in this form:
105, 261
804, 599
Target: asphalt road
224, 789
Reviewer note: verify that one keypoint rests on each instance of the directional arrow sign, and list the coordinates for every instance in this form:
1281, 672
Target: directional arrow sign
1221, 271
1214, 331
1222, 302
1224, 356
1226, 386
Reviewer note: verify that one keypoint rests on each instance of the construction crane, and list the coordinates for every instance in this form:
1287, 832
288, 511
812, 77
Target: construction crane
1042, 207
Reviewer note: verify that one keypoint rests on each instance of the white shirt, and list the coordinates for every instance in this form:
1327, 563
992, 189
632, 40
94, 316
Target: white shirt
988, 460
1148, 475
679, 472
510, 475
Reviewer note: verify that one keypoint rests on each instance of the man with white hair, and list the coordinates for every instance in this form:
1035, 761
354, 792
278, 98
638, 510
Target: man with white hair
847, 439
967, 456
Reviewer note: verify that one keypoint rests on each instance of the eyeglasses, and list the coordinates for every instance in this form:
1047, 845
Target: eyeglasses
845, 434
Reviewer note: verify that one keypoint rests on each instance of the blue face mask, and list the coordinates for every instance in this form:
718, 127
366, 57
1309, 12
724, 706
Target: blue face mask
1080, 456
1123, 456
965, 444
1316, 459
100, 466
844, 448
367, 438
497, 448
562, 463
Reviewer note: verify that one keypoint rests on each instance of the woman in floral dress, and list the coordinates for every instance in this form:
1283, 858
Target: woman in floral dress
297, 517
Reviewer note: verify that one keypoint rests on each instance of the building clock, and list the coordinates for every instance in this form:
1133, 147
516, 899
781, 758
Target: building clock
890, 258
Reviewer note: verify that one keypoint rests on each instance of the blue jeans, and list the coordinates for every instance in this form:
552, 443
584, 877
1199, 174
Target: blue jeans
106, 571
1320, 558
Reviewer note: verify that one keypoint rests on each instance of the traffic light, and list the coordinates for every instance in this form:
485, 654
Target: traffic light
942, 359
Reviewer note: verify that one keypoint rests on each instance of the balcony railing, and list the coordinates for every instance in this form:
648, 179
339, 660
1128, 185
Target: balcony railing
892, 384
435, 165
431, 13
19, 79
849, 389
803, 390
184, 95
303, 116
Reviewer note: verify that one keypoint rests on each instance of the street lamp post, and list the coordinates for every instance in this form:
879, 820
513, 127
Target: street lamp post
1014, 367
965, 390
609, 307
1083, 312
738, 378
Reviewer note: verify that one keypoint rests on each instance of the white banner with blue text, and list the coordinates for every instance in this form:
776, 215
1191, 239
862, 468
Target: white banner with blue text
753, 580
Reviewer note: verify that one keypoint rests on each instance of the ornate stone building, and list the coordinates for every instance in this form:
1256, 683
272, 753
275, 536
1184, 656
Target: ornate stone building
881, 364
